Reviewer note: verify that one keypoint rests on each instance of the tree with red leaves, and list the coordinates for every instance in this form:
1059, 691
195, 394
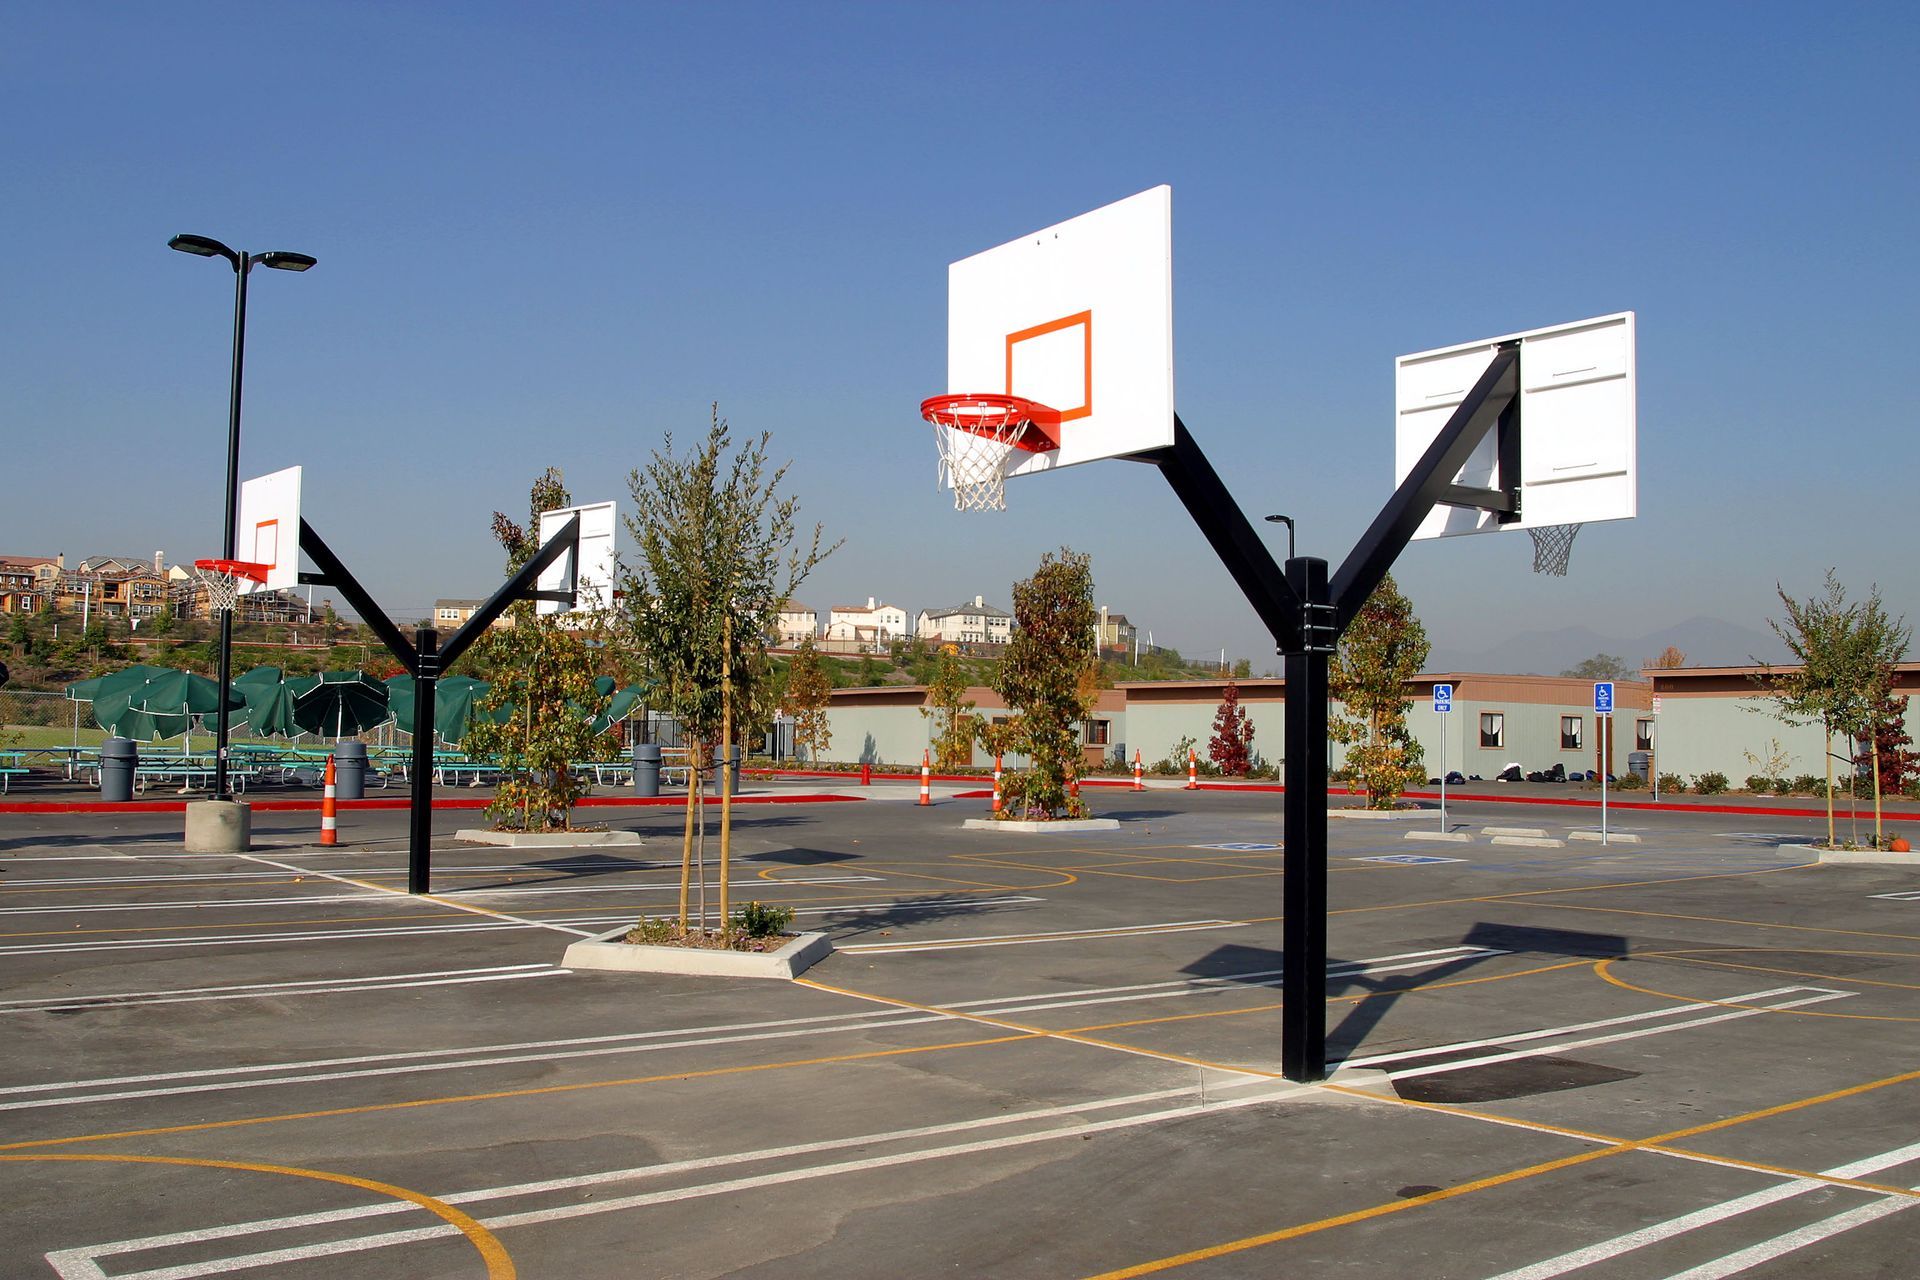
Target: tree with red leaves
1232, 745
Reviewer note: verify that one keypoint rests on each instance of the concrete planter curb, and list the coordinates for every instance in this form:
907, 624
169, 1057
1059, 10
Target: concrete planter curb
1377, 815
1862, 857
1454, 837
1028, 825
547, 839
605, 951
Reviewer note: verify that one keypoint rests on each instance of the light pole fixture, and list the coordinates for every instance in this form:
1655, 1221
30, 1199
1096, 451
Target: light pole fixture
242, 264
1287, 521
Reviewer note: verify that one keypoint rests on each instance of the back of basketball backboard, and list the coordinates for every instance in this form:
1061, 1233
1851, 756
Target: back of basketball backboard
590, 574
268, 532
1079, 317
1578, 426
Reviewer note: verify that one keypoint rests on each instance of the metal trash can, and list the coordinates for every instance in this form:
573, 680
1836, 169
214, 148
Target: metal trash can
1640, 764
118, 759
349, 770
646, 769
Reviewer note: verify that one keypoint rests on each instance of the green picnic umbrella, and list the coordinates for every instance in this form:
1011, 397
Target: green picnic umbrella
456, 702
622, 702
338, 702
269, 699
160, 706
137, 674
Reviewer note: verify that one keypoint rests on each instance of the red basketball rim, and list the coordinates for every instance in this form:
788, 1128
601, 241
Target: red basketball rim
989, 413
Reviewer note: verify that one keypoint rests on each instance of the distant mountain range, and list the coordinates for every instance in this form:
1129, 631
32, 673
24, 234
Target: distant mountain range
1707, 642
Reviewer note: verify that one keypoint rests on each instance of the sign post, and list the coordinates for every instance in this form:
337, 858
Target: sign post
1603, 713
1442, 706
1653, 751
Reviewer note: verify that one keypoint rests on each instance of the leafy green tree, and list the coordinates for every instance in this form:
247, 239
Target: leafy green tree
1845, 654
719, 552
536, 720
954, 725
19, 634
808, 692
1050, 679
871, 672
1601, 666
1385, 646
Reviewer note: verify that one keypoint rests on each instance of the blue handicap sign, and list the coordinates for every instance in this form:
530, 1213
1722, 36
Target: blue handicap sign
1603, 696
1442, 698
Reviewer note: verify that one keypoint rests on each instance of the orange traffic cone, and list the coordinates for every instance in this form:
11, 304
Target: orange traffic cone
1193, 771
996, 785
1139, 780
926, 777
328, 834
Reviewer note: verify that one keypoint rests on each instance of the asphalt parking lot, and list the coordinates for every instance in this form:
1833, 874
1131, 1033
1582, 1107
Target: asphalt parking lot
1030, 1056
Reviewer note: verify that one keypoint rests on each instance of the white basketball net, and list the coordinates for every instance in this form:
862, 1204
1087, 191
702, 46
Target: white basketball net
974, 459
1552, 545
223, 590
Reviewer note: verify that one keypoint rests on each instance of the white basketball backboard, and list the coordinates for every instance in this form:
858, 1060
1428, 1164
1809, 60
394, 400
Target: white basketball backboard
1079, 317
1578, 428
269, 530
595, 565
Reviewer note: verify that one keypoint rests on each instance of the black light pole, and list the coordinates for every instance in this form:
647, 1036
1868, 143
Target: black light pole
1287, 521
242, 264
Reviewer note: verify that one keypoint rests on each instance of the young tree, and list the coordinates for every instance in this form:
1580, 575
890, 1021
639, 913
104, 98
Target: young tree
1846, 653
809, 689
954, 725
536, 720
1880, 643
1232, 745
1049, 678
1385, 646
1671, 658
718, 555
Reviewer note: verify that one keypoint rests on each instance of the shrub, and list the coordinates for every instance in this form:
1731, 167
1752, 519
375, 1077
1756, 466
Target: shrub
1912, 790
1630, 782
1711, 783
759, 920
1176, 759
1808, 784
1781, 786
1759, 783
1673, 782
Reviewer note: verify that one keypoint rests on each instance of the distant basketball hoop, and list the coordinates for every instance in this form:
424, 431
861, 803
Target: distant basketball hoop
975, 434
221, 580
1552, 545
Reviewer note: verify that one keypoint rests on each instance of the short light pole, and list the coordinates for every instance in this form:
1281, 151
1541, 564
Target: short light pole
242, 264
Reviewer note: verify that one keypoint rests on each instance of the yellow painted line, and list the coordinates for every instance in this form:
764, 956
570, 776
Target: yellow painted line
485, 1243
497, 1095
1357, 1215
1704, 956
1481, 1184
1751, 924
1605, 970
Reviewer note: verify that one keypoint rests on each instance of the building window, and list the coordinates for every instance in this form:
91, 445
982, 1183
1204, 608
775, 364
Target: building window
1570, 733
1094, 732
1643, 735
1493, 729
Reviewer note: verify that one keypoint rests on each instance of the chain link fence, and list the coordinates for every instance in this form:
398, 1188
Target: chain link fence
32, 719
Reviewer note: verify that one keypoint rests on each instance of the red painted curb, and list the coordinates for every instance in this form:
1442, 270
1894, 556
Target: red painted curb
449, 803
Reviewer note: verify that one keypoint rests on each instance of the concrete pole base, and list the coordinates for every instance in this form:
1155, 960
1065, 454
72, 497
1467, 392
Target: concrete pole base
219, 826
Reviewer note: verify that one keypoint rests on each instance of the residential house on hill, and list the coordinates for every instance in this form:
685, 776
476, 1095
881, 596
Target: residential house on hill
872, 626
974, 623
795, 623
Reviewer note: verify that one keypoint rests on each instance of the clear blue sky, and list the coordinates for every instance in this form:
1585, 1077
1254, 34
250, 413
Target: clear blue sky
548, 236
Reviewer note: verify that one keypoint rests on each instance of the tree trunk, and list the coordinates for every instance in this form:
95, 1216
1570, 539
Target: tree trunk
700, 841
686, 845
726, 759
1878, 841
1829, 754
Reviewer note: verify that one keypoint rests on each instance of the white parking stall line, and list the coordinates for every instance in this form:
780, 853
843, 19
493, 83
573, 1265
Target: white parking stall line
1649, 1015
66, 1261
214, 1079
69, 1006
1779, 1246
425, 897
247, 939
673, 887
1027, 939
196, 904
1604, 1250
248, 988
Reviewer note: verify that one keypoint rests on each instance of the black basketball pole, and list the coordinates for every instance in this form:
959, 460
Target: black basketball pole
425, 658
1306, 613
